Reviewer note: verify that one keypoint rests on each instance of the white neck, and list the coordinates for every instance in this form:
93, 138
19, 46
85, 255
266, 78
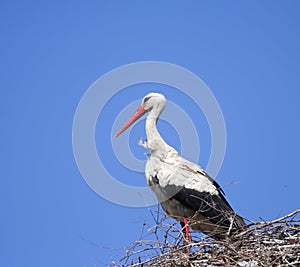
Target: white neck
155, 142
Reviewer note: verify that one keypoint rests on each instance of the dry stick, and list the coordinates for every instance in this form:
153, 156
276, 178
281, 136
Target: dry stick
247, 249
262, 225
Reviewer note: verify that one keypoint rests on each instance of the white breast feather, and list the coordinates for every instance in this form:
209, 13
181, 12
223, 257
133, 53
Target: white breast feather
174, 170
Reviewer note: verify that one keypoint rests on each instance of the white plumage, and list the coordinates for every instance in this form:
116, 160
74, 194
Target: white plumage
183, 188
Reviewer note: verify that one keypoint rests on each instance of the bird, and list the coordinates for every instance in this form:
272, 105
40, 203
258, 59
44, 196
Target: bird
185, 191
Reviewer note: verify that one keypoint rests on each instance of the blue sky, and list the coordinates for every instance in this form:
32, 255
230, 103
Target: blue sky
51, 52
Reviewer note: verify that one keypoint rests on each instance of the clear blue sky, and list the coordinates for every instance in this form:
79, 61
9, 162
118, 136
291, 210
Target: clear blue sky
247, 52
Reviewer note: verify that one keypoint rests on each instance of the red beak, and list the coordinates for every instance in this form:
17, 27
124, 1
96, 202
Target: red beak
139, 113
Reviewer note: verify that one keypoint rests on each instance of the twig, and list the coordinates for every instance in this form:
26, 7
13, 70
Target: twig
272, 243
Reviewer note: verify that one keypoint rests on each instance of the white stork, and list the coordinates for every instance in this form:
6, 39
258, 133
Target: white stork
185, 191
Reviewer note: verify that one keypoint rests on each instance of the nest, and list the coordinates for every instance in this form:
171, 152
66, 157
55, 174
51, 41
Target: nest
273, 243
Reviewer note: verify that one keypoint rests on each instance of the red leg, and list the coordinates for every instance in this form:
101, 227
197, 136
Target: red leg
186, 230
188, 236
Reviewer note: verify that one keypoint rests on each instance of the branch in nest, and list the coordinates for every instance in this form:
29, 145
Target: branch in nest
273, 243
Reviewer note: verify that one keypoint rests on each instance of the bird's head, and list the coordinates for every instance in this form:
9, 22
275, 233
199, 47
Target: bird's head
153, 102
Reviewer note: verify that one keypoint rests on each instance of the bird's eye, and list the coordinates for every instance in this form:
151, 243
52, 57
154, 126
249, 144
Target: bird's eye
146, 99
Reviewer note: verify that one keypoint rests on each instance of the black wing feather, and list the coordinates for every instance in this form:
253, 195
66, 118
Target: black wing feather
219, 188
214, 207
